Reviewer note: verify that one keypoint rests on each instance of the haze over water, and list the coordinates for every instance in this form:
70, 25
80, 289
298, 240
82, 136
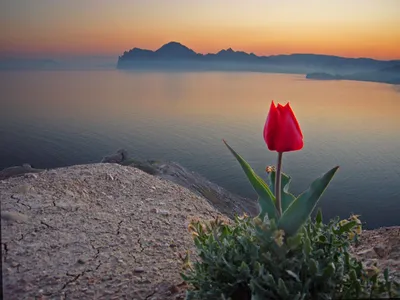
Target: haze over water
54, 119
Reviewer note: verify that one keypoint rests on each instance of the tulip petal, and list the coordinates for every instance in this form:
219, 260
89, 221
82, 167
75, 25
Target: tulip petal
293, 117
291, 135
270, 128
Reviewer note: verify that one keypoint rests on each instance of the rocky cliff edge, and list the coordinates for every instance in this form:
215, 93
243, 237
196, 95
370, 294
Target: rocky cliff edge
107, 231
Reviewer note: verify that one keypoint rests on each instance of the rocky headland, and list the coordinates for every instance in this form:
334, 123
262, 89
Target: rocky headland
113, 231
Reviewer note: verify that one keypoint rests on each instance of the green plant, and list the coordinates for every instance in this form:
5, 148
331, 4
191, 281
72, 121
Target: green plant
281, 253
293, 211
249, 259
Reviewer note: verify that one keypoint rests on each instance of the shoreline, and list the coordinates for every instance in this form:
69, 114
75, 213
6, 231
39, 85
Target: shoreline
226, 202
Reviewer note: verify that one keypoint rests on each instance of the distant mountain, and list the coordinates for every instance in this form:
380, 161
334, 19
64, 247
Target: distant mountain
175, 56
175, 50
171, 50
393, 69
387, 75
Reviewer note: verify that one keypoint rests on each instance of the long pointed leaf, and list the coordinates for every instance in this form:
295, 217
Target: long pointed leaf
286, 197
266, 198
301, 208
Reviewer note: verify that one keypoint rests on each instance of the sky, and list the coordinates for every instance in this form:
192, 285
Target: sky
351, 28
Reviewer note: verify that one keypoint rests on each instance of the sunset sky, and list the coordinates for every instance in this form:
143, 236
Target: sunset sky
352, 28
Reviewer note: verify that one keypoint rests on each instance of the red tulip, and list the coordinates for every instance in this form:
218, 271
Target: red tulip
282, 132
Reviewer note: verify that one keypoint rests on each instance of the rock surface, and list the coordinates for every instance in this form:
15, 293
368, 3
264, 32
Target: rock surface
118, 157
224, 201
380, 247
106, 231
25, 169
101, 231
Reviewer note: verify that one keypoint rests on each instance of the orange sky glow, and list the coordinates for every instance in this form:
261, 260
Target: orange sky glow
357, 28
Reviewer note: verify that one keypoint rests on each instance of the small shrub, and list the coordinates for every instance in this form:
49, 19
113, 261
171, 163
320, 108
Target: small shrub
251, 259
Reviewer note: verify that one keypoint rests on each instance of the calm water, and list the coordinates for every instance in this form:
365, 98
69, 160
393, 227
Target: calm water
54, 119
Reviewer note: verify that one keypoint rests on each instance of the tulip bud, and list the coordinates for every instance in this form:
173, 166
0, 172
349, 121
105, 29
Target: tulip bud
282, 132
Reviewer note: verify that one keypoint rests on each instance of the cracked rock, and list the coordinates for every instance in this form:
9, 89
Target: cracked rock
89, 236
138, 270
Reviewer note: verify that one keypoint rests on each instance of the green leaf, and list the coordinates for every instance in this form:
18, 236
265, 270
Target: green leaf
347, 227
257, 296
294, 241
244, 269
258, 291
301, 208
268, 279
297, 297
282, 289
266, 197
319, 253
294, 275
286, 197
313, 266
329, 270
386, 274
307, 246
318, 218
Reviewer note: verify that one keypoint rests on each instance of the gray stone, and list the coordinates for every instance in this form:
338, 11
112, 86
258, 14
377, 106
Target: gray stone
367, 253
18, 171
13, 216
380, 250
118, 157
31, 175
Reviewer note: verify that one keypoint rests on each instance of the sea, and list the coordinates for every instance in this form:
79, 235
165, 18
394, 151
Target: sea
53, 119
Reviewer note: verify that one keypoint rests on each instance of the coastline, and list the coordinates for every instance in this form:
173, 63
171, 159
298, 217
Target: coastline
378, 77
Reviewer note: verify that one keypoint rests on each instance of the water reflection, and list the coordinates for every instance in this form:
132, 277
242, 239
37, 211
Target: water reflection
60, 118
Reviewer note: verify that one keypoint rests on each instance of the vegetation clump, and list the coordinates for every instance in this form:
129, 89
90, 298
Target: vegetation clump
282, 253
251, 259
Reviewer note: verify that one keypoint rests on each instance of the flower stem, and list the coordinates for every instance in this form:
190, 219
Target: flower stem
278, 184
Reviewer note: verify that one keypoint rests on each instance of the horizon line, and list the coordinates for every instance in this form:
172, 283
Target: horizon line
55, 56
